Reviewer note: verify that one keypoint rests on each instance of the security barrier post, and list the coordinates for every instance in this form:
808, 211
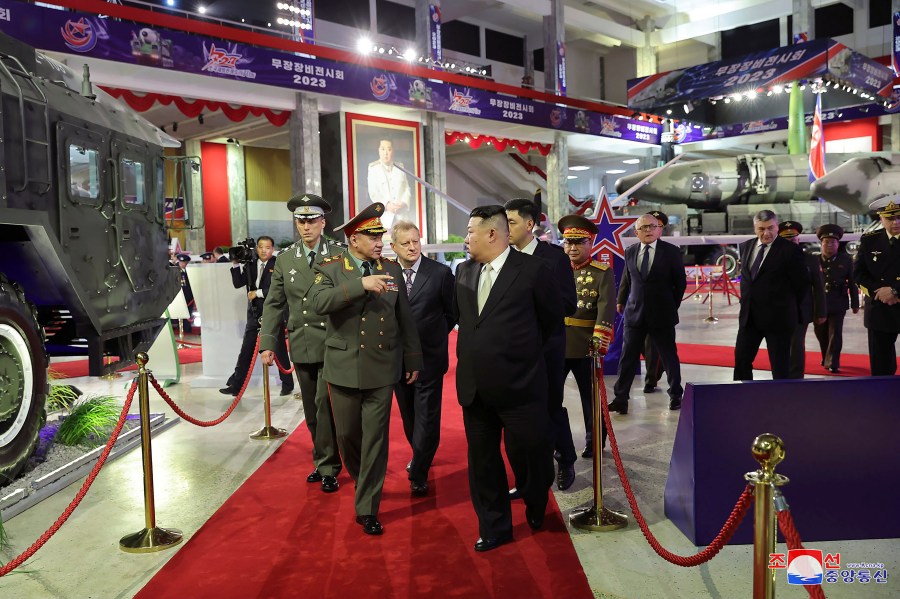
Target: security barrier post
268, 431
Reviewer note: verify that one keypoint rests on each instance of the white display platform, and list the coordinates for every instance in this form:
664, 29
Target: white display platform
163, 354
223, 313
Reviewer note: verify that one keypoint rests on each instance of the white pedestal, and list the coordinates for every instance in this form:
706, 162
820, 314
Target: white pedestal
223, 313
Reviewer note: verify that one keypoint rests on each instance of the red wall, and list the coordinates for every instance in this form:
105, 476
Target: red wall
216, 204
850, 129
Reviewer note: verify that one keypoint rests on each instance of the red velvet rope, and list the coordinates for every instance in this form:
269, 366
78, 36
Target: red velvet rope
792, 538
731, 524
193, 109
21, 558
282, 369
499, 143
227, 413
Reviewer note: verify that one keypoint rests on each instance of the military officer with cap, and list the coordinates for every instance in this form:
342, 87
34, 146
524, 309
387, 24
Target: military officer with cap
183, 261
877, 272
291, 287
812, 308
370, 336
595, 288
837, 270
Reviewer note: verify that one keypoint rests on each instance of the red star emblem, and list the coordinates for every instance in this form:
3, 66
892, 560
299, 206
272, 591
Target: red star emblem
610, 228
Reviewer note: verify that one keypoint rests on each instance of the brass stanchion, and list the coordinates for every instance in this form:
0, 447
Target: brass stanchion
697, 294
768, 450
151, 538
110, 375
710, 318
181, 343
597, 517
268, 431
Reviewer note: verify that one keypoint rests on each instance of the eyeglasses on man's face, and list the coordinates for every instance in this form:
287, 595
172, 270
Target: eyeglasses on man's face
648, 228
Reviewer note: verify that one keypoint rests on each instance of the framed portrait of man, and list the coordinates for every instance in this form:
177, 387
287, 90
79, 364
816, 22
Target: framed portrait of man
381, 153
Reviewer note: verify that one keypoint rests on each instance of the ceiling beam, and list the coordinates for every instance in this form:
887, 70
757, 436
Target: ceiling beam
578, 19
697, 29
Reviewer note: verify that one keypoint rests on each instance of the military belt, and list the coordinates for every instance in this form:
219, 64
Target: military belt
580, 322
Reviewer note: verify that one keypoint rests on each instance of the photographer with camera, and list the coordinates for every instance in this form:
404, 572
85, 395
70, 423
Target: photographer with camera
253, 271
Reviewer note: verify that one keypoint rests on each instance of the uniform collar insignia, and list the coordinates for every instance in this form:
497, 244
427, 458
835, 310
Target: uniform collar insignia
292, 272
347, 265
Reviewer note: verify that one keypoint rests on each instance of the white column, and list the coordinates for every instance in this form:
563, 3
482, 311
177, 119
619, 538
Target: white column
436, 174
306, 161
557, 178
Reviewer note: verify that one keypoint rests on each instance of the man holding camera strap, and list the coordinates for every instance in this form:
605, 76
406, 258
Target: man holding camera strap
256, 276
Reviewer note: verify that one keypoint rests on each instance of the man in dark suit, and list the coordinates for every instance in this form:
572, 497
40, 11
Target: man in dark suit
877, 272
506, 313
256, 276
774, 281
429, 285
649, 296
522, 215
292, 283
371, 343
841, 293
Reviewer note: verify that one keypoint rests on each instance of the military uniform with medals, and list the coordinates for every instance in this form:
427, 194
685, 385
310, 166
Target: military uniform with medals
841, 293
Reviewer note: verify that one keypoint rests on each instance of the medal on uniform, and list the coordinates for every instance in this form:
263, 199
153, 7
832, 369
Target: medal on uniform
391, 286
580, 303
589, 279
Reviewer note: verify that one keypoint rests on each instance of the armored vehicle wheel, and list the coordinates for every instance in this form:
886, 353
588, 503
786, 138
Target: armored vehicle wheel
23, 379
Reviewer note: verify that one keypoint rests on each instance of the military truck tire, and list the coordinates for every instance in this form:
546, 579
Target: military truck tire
23, 380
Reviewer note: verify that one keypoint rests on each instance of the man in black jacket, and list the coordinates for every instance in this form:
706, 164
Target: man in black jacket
841, 293
256, 276
649, 296
506, 312
774, 281
429, 285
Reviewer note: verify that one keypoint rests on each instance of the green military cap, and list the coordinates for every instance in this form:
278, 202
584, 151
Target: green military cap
368, 221
660, 216
307, 206
789, 228
575, 226
829, 231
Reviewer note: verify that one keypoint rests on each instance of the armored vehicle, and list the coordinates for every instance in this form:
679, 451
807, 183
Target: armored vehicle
83, 244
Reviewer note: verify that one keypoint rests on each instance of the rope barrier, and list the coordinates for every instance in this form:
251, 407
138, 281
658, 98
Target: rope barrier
282, 369
21, 558
220, 419
728, 529
792, 539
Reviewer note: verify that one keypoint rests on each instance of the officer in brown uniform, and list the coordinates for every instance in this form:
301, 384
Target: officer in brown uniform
837, 270
370, 335
595, 288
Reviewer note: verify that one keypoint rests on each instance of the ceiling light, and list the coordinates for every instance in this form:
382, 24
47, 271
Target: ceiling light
727, 100
615, 171
201, 9
669, 111
363, 45
579, 168
777, 89
170, 2
751, 94
409, 54
572, 177
632, 161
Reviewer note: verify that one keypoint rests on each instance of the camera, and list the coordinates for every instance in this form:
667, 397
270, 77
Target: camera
244, 251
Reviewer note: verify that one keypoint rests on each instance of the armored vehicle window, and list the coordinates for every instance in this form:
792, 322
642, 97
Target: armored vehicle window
133, 186
84, 173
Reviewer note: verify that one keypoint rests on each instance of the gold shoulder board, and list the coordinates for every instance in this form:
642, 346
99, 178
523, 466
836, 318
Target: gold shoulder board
600, 265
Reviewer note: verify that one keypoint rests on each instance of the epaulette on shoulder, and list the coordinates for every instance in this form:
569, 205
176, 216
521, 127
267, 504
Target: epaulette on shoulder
331, 259
290, 247
336, 243
872, 233
600, 265
386, 259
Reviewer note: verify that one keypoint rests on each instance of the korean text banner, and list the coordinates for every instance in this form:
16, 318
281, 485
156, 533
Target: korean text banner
79, 33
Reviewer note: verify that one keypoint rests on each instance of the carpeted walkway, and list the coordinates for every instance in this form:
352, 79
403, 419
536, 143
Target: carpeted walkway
723, 355
278, 536
76, 368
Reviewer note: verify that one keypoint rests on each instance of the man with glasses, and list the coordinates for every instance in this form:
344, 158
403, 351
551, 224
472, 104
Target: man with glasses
292, 283
877, 272
649, 296
595, 287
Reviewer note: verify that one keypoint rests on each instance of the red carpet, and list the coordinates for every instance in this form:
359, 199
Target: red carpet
278, 536
74, 368
722, 355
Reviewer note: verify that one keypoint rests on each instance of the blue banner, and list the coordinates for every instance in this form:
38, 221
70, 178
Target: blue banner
120, 41
434, 34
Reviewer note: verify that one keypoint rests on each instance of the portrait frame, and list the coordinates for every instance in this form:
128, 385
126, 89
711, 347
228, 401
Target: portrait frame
364, 134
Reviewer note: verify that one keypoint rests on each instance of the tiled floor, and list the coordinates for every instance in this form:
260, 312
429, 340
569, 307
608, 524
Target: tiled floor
196, 469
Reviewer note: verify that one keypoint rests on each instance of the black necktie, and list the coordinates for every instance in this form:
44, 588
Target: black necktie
758, 261
645, 262
366, 269
312, 259
893, 241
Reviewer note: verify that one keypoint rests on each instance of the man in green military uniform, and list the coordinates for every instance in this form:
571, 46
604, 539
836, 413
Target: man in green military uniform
595, 288
292, 282
837, 271
370, 335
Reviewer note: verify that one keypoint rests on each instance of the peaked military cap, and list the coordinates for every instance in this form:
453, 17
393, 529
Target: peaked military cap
183, 257
307, 206
660, 216
829, 231
206, 255
575, 226
887, 206
368, 221
789, 228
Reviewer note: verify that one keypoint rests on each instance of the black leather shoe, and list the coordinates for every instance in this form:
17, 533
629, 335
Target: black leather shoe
329, 484
565, 476
650, 388
419, 489
534, 518
370, 524
675, 404
834, 369
514, 494
587, 452
491, 543
229, 391
314, 477
286, 389
618, 405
